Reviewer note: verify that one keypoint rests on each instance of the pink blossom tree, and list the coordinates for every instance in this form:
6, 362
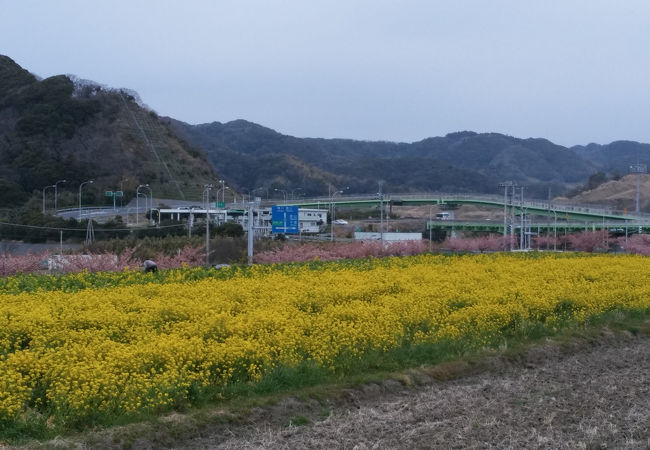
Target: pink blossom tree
588, 241
637, 243
327, 252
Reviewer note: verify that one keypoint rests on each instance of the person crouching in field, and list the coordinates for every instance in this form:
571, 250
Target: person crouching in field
149, 266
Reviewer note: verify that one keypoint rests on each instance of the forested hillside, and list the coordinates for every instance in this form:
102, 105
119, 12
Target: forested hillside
459, 162
62, 128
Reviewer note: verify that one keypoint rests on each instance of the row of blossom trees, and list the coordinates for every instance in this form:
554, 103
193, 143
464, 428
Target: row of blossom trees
45, 262
349, 250
588, 241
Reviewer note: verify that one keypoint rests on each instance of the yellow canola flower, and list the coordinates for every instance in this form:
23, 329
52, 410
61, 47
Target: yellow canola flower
149, 346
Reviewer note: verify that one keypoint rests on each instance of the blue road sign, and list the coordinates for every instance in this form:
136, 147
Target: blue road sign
284, 219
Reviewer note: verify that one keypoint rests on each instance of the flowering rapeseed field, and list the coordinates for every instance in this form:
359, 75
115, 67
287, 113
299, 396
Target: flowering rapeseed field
74, 352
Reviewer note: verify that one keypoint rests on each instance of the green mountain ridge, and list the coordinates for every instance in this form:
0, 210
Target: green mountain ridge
459, 162
615, 158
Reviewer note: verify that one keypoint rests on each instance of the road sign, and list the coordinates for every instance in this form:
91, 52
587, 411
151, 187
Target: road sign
108, 194
119, 194
284, 219
220, 205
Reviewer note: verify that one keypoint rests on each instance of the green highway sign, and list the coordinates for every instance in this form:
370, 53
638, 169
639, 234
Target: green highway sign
119, 194
220, 204
108, 194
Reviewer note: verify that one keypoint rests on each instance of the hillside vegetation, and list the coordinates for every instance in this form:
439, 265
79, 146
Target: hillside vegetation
460, 162
252, 156
619, 193
64, 128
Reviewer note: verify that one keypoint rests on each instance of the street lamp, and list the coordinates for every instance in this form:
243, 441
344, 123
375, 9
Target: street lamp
50, 186
223, 188
56, 190
283, 192
150, 204
205, 198
137, 200
380, 196
262, 189
247, 195
80, 186
638, 169
294, 190
332, 194
555, 231
122, 190
223, 193
430, 226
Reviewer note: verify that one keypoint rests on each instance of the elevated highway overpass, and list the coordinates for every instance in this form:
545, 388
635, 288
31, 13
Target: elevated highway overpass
555, 211
566, 211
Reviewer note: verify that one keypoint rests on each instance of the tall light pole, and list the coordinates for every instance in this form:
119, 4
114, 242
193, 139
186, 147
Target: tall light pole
205, 199
521, 217
294, 190
554, 231
56, 191
380, 195
150, 204
50, 186
430, 227
332, 207
223, 195
206, 194
137, 200
223, 188
250, 232
247, 195
80, 186
283, 192
261, 189
638, 169
505, 185
122, 190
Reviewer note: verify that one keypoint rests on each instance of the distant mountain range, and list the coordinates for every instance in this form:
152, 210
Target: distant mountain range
65, 128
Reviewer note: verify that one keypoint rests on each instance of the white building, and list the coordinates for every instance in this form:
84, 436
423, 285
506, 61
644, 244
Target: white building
388, 237
309, 220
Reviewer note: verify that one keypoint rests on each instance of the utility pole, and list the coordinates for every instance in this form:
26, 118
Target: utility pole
548, 222
206, 193
638, 169
505, 185
333, 210
512, 217
430, 227
250, 233
381, 213
522, 232
80, 186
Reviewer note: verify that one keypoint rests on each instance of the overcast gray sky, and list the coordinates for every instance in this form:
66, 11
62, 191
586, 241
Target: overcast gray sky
572, 71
